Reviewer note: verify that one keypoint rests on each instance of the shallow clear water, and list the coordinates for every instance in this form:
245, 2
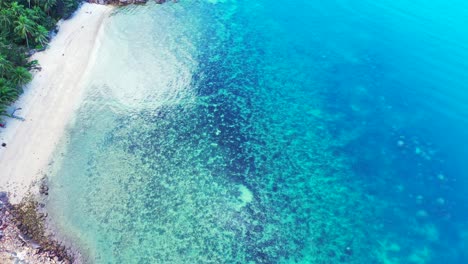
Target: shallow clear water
271, 132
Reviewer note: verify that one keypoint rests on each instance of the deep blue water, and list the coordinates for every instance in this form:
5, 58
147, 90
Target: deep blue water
273, 132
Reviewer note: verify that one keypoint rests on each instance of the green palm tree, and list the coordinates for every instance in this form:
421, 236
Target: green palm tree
48, 4
24, 27
7, 93
34, 13
40, 36
20, 76
16, 9
5, 19
5, 66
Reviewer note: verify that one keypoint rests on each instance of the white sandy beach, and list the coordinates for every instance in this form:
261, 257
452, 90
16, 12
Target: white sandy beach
49, 101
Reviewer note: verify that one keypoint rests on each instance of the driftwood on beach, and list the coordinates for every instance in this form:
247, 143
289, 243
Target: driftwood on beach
12, 115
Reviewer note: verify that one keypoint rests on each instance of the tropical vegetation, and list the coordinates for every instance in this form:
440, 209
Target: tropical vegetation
25, 25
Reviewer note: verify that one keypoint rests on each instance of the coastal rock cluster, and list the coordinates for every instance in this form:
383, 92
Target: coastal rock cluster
22, 236
125, 2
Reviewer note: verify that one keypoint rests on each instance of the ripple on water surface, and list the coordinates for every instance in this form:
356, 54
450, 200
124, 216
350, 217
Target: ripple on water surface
209, 135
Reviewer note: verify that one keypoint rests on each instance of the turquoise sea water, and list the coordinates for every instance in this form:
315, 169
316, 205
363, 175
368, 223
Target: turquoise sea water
272, 132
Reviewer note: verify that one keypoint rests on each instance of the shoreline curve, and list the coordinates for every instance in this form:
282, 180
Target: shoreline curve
49, 101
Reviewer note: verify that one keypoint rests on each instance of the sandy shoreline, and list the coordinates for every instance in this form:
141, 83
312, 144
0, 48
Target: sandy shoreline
49, 101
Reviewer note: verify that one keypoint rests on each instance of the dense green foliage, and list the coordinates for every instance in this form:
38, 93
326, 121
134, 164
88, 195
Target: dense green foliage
25, 25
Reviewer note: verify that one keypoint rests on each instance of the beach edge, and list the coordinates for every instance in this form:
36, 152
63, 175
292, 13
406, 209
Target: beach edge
49, 101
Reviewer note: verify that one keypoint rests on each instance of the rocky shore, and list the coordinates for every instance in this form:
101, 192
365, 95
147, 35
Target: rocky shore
23, 237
